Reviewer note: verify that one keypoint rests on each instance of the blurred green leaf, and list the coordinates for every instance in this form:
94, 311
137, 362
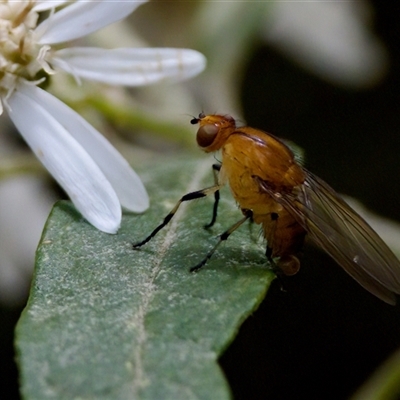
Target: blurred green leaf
106, 322
384, 384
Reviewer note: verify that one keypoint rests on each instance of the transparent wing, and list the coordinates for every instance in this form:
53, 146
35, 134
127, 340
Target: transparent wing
335, 227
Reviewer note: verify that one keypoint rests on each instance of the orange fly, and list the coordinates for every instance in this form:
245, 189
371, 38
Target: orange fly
274, 190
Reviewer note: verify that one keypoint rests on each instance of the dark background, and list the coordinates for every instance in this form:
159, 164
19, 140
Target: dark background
325, 335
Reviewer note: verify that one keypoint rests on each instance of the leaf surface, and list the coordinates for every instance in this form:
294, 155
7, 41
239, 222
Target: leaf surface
105, 321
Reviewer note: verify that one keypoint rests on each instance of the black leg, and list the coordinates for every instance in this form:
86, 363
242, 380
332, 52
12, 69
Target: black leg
275, 268
222, 237
268, 253
269, 235
216, 168
187, 197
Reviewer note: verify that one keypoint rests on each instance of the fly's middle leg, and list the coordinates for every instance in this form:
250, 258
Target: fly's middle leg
224, 236
187, 197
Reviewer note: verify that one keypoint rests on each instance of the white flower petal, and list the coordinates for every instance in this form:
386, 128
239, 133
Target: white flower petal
129, 66
82, 18
65, 158
125, 182
48, 4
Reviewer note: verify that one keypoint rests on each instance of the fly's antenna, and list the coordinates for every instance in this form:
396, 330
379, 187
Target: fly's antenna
194, 120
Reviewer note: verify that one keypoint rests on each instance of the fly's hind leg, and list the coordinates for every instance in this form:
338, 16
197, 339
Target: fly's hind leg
224, 236
276, 267
287, 264
270, 251
216, 168
269, 235
187, 197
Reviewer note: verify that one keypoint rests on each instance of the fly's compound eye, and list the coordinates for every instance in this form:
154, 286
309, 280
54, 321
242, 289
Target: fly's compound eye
206, 135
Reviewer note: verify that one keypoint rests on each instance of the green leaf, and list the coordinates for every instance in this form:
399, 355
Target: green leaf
384, 383
104, 321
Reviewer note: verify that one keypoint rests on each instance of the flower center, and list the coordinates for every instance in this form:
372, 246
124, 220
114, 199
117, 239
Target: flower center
20, 55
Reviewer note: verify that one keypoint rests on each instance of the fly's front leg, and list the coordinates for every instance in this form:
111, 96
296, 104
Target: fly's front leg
224, 236
187, 197
216, 168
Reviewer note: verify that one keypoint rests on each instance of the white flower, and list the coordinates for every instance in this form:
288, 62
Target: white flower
95, 176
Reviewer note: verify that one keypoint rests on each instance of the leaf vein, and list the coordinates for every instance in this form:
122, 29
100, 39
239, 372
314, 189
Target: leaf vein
139, 380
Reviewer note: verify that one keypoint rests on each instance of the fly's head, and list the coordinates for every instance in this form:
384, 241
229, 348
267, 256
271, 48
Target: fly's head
213, 131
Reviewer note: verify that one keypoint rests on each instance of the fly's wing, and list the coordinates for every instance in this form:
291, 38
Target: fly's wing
344, 235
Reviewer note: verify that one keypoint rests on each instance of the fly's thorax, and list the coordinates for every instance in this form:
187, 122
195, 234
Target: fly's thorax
244, 188
256, 156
